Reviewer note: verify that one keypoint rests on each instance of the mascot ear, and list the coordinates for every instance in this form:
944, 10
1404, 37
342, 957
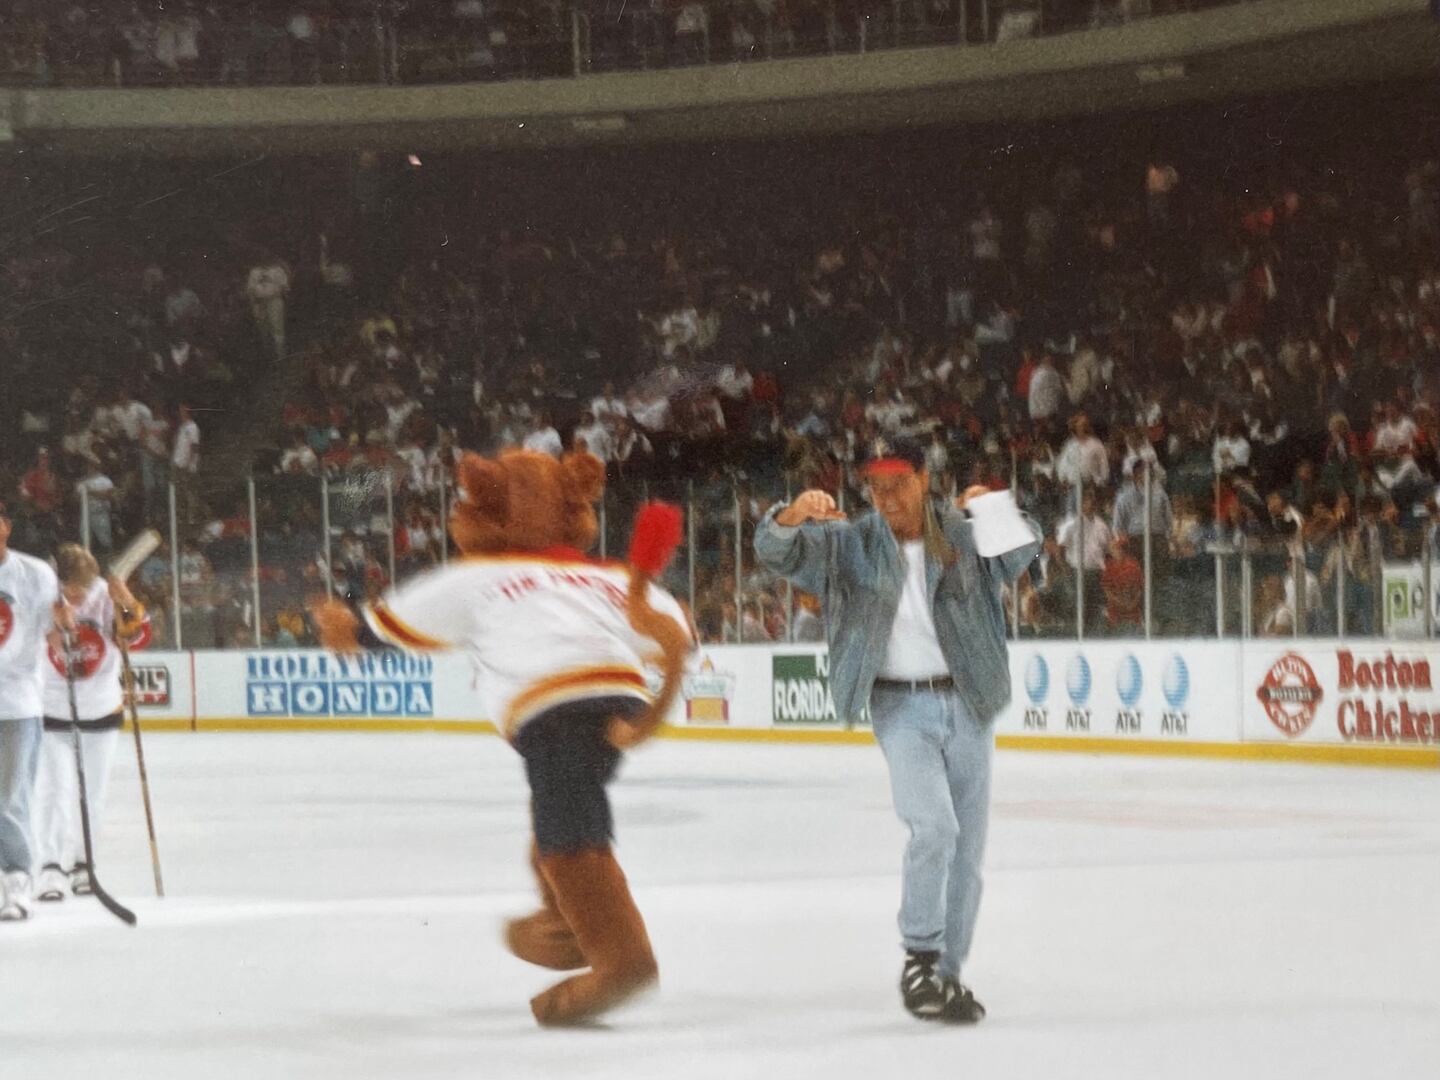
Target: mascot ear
584, 478
487, 485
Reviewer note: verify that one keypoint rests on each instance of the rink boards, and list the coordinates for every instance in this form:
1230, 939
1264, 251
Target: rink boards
1367, 703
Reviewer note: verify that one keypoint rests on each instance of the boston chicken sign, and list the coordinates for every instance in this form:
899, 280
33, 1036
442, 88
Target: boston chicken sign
1341, 694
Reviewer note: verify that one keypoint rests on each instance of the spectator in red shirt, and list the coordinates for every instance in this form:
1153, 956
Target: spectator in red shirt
40, 487
1123, 582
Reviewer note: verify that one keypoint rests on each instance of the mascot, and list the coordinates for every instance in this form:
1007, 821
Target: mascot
560, 644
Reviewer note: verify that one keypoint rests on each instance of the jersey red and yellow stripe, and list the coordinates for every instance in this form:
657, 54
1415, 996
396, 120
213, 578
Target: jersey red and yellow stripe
575, 684
391, 628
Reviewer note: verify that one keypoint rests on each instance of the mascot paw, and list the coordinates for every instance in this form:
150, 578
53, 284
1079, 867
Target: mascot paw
622, 734
336, 624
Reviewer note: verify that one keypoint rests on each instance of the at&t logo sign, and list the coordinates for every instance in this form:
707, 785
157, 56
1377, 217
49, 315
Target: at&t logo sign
1175, 685
1078, 683
1129, 684
1037, 689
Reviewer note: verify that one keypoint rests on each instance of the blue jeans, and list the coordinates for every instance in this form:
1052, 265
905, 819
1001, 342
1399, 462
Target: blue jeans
19, 761
939, 760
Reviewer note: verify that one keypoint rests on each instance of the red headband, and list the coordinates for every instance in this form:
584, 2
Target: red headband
889, 466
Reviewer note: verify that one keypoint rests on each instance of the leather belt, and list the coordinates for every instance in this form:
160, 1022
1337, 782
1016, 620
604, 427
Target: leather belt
940, 682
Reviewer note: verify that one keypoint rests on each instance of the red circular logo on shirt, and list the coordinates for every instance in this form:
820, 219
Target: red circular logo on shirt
87, 647
1290, 694
7, 616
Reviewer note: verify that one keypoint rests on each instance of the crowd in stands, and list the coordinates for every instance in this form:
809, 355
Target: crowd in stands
1260, 367
1273, 368
178, 42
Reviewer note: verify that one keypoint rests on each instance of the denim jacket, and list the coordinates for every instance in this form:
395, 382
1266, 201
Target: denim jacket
856, 569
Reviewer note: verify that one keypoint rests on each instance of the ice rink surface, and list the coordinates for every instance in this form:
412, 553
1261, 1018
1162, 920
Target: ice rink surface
335, 903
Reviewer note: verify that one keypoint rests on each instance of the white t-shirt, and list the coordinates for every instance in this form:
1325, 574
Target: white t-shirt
652, 414
28, 591
98, 692
1083, 461
1230, 451
597, 440
133, 415
155, 437
1047, 393
299, 459
1098, 539
913, 651
546, 440
186, 456
96, 488
414, 459
540, 631
1397, 437
608, 408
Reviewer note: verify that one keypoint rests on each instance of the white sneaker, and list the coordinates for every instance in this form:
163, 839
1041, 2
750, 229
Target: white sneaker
52, 885
15, 896
80, 880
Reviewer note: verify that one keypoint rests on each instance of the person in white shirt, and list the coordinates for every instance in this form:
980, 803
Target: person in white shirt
1396, 434
608, 407
399, 407
104, 613
1047, 390
1097, 536
185, 453
1083, 459
735, 381
1139, 448
440, 462
108, 421
298, 457
266, 288
29, 608
1097, 540
595, 436
95, 494
412, 456
652, 413
1086, 375
1231, 449
185, 462
891, 413
133, 415
543, 437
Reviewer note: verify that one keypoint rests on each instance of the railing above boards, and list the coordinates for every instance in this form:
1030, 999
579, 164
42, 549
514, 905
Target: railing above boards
481, 40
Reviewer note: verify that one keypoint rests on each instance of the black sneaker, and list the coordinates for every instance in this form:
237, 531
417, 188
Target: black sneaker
960, 1006
920, 987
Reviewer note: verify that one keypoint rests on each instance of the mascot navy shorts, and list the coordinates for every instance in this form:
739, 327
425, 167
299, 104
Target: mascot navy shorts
568, 761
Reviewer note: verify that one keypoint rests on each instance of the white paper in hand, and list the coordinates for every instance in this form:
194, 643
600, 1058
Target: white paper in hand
998, 525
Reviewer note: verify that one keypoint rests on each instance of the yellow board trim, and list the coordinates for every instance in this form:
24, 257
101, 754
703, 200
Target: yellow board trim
1403, 757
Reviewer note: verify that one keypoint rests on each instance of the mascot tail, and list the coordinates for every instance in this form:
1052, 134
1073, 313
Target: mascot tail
658, 531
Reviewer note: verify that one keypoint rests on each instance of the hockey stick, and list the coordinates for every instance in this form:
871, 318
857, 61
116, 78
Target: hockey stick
110, 904
124, 565
129, 677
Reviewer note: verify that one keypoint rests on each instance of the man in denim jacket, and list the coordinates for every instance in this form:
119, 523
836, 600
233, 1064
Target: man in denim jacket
916, 630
